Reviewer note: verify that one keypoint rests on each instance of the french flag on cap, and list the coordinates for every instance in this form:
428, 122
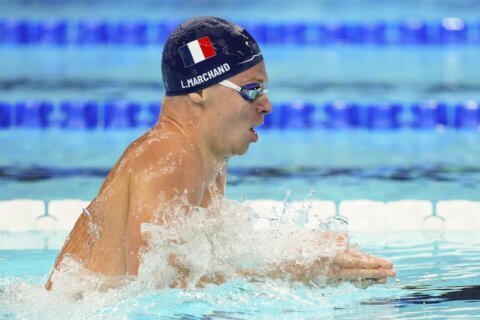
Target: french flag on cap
196, 51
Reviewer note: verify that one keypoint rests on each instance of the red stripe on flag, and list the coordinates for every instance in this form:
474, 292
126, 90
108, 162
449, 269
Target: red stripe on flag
207, 47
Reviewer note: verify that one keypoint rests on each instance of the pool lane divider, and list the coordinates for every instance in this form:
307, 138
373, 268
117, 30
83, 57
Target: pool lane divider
430, 114
60, 32
362, 215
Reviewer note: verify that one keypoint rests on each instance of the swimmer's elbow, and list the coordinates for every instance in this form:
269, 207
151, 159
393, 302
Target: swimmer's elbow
48, 285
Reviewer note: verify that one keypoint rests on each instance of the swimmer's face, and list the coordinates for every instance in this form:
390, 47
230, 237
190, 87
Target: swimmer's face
232, 119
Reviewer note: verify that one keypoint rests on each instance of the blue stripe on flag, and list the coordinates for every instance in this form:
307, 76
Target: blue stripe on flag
186, 56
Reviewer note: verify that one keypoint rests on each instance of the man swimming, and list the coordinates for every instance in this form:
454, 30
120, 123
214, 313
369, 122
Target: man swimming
215, 78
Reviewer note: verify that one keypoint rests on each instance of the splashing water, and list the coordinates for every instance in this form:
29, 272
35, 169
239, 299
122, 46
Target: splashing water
221, 240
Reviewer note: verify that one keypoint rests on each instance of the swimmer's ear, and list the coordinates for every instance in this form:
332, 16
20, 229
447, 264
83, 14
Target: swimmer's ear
197, 97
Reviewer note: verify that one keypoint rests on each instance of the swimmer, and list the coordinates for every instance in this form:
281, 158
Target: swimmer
215, 81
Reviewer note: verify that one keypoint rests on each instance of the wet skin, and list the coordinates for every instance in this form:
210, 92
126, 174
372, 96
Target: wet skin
184, 158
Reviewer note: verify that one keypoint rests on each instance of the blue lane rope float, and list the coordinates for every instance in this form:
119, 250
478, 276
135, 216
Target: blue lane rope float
342, 115
430, 114
450, 30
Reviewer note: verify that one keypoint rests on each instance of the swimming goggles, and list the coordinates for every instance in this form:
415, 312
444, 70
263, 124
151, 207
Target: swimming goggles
249, 92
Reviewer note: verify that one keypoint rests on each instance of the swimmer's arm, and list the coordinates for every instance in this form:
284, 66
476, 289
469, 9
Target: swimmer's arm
349, 264
364, 270
149, 192
345, 266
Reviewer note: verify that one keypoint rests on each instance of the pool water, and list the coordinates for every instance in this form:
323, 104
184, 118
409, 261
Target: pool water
307, 10
437, 277
338, 165
438, 272
403, 74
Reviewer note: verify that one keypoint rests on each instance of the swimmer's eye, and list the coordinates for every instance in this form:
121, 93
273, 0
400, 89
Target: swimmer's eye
252, 91
252, 86
249, 92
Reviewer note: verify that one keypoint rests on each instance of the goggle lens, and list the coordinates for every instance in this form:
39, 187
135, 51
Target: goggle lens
252, 91
249, 92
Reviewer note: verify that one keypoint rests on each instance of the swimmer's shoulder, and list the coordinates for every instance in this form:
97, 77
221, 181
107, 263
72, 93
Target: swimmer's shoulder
165, 149
171, 165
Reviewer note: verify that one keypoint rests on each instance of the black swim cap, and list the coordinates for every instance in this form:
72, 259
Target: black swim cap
204, 51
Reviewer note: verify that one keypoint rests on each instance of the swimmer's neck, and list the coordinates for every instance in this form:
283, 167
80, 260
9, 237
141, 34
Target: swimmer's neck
170, 124
188, 122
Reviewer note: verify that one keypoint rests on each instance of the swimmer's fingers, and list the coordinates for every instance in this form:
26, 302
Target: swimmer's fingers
381, 281
383, 263
365, 283
360, 283
353, 258
360, 274
345, 260
390, 272
379, 262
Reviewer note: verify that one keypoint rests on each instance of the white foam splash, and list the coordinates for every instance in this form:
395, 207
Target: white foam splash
223, 240
219, 240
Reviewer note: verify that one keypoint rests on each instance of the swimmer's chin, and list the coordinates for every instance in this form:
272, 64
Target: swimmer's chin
242, 151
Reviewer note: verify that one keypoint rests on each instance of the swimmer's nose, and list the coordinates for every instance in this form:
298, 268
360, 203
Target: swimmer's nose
264, 105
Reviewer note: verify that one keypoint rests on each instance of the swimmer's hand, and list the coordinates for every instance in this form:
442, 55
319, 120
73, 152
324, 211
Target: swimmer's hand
359, 267
183, 275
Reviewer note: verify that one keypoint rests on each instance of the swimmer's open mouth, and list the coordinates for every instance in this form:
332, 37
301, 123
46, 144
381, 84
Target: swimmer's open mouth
254, 134
256, 125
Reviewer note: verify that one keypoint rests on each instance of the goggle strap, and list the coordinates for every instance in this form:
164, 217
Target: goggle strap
231, 85
257, 92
